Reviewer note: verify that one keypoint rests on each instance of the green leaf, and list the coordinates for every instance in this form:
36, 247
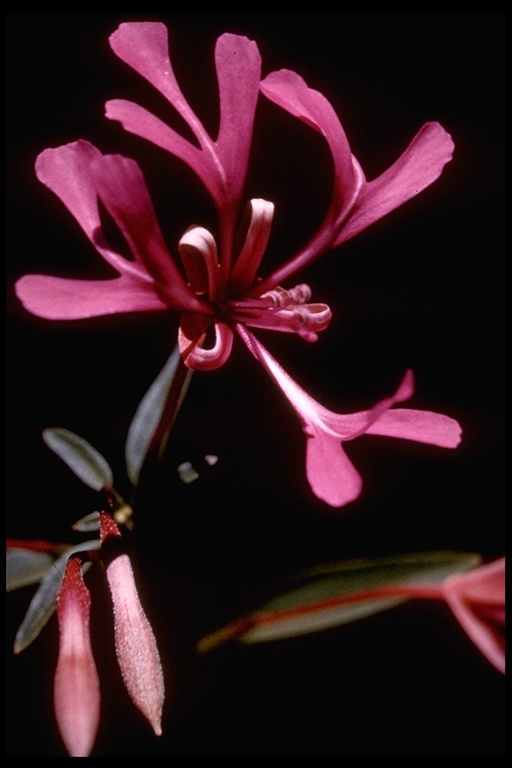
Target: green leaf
88, 524
334, 594
152, 411
42, 604
25, 566
84, 460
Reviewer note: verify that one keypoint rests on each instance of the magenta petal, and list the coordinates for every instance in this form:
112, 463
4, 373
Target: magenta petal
123, 190
288, 90
238, 64
258, 214
144, 46
221, 165
421, 426
418, 167
76, 683
191, 335
330, 473
137, 120
68, 172
60, 298
477, 599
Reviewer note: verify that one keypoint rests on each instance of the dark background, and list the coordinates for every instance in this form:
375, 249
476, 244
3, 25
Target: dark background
423, 288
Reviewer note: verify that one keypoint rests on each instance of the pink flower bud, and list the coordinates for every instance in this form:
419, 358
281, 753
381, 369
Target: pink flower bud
136, 648
76, 683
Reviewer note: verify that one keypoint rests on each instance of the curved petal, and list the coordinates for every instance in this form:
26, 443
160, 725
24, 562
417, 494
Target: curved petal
198, 252
139, 121
484, 627
77, 173
68, 172
191, 335
330, 473
258, 215
124, 192
306, 320
356, 203
289, 91
144, 46
60, 298
418, 167
221, 165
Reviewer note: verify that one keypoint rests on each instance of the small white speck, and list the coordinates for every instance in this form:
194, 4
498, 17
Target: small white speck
187, 472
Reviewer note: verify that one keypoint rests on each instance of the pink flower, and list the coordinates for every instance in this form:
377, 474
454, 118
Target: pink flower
223, 291
330, 473
76, 684
223, 287
137, 652
477, 599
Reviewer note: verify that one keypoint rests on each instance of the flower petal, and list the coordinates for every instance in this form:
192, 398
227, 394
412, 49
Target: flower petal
418, 167
486, 629
355, 203
124, 192
68, 172
71, 172
60, 298
191, 335
238, 64
258, 215
198, 252
290, 91
144, 46
139, 121
421, 426
76, 683
221, 165
330, 473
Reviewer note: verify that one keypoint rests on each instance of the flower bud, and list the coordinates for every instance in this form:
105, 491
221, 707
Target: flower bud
136, 649
76, 683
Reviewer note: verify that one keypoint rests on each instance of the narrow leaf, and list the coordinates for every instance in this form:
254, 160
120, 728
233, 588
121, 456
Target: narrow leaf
42, 604
339, 593
84, 460
153, 419
88, 524
25, 566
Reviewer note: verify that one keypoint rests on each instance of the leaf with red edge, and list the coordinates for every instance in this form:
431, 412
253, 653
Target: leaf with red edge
338, 593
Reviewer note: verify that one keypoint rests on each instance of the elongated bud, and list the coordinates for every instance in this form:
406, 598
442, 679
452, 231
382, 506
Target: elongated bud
76, 683
137, 652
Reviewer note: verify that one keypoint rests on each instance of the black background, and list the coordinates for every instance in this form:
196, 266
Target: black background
423, 288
